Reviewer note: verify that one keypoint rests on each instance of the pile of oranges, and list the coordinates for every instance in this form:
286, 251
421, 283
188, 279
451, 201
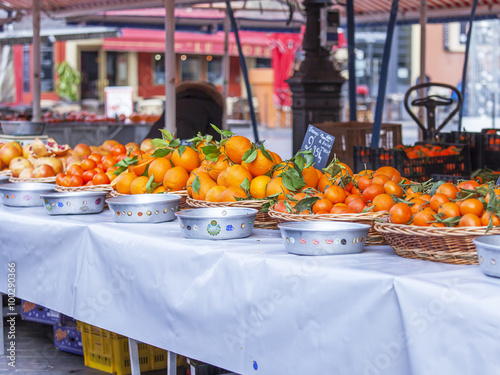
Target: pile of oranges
339, 191
444, 204
428, 150
97, 165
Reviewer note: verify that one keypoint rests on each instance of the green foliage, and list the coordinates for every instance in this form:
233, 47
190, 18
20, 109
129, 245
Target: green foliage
68, 81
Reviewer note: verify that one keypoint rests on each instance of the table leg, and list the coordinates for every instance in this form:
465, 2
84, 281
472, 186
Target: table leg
172, 363
134, 357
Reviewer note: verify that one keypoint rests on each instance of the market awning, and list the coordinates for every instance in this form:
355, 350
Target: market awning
377, 11
52, 35
255, 44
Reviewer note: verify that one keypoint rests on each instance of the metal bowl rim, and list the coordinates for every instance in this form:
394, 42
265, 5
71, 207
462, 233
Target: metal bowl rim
483, 245
36, 186
77, 194
185, 214
344, 226
155, 198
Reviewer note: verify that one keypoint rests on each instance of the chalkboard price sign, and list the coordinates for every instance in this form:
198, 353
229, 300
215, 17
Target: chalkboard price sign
320, 143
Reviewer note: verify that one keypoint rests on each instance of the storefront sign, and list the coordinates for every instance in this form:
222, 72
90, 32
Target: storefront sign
320, 143
119, 100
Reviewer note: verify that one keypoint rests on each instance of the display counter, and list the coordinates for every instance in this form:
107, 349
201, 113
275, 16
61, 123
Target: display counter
248, 306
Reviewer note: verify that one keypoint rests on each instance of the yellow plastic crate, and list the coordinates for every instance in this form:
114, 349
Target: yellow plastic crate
107, 351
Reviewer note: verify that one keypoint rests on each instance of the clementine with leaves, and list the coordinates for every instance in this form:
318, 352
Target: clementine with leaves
236, 146
175, 179
185, 157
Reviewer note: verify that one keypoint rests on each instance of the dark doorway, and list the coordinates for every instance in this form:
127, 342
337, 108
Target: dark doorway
90, 74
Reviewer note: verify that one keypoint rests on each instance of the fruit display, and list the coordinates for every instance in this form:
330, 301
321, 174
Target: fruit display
36, 160
52, 117
429, 150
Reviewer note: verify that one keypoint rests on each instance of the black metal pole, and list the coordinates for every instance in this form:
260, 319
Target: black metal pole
243, 70
351, 60
377, 125
466, 61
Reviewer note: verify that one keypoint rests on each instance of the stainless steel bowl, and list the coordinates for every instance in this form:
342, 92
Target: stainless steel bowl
24, 194
144, 208
488, 253
23, 127
323, 237
217, 223
77, 203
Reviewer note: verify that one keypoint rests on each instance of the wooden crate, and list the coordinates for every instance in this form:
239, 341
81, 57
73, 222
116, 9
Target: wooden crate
350, 134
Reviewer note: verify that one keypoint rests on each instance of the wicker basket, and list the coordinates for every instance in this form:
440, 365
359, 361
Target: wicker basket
374, 238
5, 172
447, 245
262, 220
42, 179
106, 188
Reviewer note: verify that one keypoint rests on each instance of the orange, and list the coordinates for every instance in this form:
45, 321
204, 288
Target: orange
393, 188
206, 183
335, 194
449, 209
372, 191
258, 187
281, 167
469, 220
236, 146
487, 216
158, 168
189, 158
101, 178
364, 181
140, 168
400, 213
418, 204
138, 186
277, 159
221, 180
448, 189
324, 181
109, 144
390, 172
213, 195
118, 149
175, 179
276, 186
382, 202
160, 190
215, 168
437, 200
472, 206
76, 181
310, 176
260, 165
88, 164
231, 193
424, 218
380, 179
122, 182
322, 206
236, 174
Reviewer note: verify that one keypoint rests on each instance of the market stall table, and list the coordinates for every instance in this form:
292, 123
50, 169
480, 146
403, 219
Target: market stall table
248, 306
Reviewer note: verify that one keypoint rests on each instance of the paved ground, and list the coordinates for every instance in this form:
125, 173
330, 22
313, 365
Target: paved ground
36, 354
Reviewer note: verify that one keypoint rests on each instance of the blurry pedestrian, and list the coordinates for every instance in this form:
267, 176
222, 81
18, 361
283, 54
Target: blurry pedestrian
197, 106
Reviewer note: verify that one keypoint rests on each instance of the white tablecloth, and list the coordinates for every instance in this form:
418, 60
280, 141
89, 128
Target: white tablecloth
248, 306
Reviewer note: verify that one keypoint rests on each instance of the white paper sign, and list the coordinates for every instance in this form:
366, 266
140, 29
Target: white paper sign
119, 100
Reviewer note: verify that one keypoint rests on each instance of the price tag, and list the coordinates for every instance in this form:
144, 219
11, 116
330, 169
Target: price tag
320, 143
498, 182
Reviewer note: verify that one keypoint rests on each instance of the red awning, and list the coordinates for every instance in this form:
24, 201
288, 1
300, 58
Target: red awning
253, 43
